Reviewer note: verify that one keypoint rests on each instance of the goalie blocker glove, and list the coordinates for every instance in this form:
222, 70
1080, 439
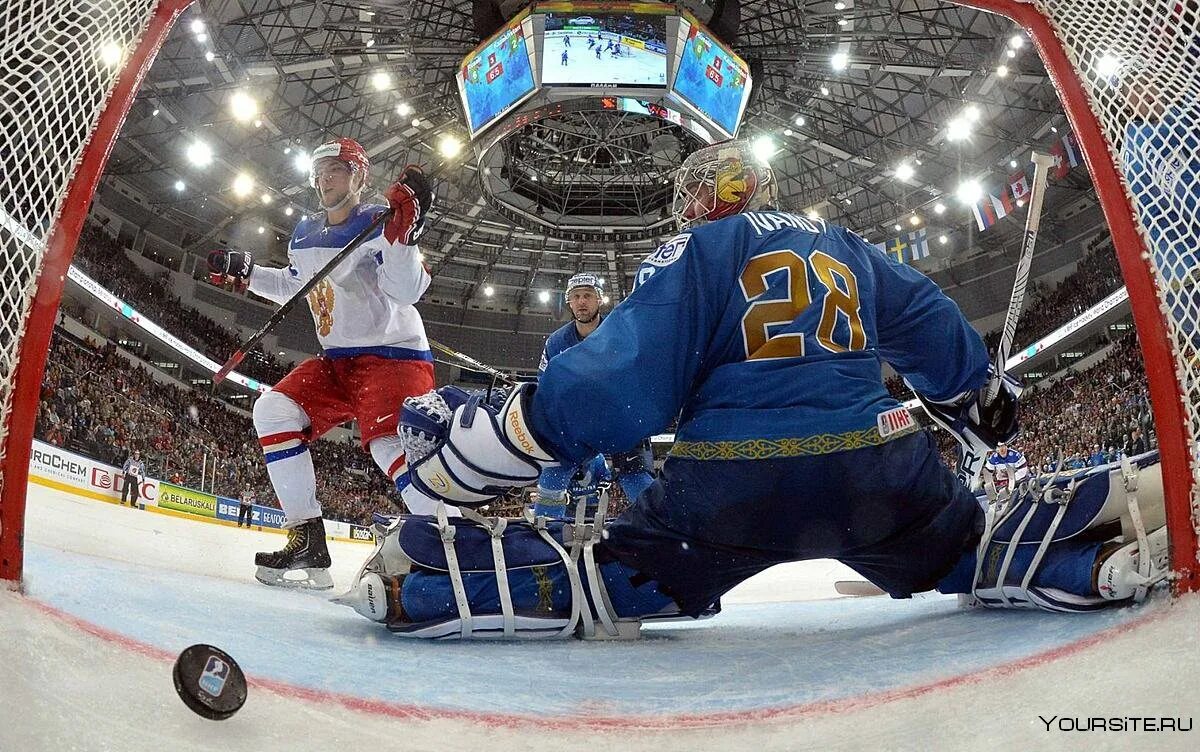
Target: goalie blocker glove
467, 450
410, 198
972, 421
225, 265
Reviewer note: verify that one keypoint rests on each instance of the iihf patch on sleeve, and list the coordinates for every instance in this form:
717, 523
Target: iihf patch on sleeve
669, 252
895, 420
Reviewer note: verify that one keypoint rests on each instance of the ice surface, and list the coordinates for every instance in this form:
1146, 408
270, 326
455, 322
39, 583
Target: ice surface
113, 594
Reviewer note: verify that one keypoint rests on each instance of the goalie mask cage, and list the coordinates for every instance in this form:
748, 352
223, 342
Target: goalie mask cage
69, 73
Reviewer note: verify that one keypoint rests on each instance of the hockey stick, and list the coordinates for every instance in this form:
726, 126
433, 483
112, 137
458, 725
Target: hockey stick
1041, 169
472, 363
236, 359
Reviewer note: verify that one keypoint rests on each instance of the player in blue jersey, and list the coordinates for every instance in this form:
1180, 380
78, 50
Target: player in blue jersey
584, 299
764, 332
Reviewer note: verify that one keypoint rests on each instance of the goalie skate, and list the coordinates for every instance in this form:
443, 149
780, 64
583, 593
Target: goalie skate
1125, 573
302, 563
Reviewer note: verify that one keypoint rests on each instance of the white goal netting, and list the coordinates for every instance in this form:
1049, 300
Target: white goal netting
59, 63
1139, 63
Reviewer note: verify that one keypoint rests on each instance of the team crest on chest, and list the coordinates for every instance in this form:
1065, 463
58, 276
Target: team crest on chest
320, 300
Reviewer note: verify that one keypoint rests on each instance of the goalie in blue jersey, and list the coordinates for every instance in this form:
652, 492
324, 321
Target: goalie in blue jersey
764, 332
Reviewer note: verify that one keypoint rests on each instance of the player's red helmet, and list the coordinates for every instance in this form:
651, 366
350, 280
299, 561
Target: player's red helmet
722, 180
347, 150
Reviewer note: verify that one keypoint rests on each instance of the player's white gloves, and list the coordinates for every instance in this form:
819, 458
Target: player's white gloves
411, 198
226, 265
467, 450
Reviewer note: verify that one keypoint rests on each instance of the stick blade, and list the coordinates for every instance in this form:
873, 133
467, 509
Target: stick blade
860, 588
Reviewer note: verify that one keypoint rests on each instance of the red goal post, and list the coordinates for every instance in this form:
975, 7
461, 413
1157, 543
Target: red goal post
69, 72
54, 144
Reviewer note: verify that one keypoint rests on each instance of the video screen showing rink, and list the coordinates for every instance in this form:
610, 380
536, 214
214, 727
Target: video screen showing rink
585, 55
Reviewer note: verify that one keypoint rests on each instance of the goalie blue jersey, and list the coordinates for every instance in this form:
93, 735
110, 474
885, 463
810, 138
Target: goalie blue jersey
763, 333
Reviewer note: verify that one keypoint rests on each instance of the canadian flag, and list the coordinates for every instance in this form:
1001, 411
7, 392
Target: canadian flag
1019, 183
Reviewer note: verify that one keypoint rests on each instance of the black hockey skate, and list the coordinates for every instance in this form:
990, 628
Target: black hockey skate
305, 554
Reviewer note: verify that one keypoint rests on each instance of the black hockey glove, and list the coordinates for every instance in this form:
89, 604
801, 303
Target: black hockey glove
225, 265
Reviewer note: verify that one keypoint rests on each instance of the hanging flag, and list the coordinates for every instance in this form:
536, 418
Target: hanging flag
896, 249
1062, 164
985, 213
882, 248
1004, 203
1018, 183
918, 245
1071, 148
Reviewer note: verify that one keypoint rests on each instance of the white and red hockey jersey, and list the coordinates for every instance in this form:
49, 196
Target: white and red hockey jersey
365, 307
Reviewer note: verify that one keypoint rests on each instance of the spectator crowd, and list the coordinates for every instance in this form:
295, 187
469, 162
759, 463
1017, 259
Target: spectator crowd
95, 402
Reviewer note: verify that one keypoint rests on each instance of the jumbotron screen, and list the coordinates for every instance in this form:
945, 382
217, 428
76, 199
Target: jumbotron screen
497, 77
711, 78
616, 46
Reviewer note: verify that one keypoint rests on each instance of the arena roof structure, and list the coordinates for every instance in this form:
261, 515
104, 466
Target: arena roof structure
878, 114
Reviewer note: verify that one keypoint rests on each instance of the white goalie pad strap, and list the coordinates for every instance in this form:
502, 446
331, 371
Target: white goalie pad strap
1129, 477
456, 581
600, 600
572, 577
506, 606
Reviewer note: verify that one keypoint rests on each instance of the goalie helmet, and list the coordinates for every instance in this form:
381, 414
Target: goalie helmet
722, 180
346, 150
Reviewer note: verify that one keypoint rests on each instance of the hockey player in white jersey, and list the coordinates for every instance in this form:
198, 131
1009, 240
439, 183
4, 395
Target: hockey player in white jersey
374, 349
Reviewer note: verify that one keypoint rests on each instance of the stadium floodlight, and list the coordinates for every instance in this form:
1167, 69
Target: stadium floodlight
824, 91
404, 109
764, 148
839, 61
939, 208
1108, 65
958, 129
905, 171
242, 184
201, 37
897, 227
242, 106
266, 198
543, 297
209, 56
489, 291
1011, 52
449, 145
799, 121
179, 186
289, 211
969, 191
1002, 71
914, 220
111, 54
416, 122
381, 81
261, 229
303, 164
199, 153
972, 113
197, 26
943, 239
1016, 41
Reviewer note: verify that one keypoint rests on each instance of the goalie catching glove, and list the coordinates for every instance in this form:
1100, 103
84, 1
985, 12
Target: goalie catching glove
226, 265
467, 450
411, 198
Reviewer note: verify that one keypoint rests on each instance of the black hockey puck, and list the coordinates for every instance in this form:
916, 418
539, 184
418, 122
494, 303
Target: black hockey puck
209, 682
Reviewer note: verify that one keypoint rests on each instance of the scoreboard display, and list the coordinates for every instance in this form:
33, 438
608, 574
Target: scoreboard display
711, 78
558, 51
497, 76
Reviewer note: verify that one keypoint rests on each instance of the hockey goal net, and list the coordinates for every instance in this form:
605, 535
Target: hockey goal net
1127, 71
69, 72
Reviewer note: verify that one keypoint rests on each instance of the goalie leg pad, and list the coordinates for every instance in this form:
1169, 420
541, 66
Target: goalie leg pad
480, 578
1040, 545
